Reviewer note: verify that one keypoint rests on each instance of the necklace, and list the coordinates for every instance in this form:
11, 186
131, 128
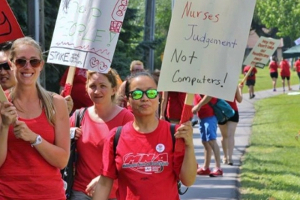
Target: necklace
21, 109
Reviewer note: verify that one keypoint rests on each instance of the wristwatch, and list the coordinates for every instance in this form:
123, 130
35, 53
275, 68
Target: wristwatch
38, 140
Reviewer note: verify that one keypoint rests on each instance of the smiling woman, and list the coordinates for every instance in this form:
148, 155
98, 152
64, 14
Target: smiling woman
34, 131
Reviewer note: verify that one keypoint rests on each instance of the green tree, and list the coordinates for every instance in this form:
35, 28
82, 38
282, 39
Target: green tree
127, 48
162, 22
280, 16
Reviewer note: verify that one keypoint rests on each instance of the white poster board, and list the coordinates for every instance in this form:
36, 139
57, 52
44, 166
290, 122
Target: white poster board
86, 33
261, 52
205, 46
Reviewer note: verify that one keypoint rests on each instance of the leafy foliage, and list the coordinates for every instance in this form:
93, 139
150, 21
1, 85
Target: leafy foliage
282, 15
127, 48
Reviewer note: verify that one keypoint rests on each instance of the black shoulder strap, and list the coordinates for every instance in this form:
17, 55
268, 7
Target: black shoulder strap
117, 137
79, 116
172, 129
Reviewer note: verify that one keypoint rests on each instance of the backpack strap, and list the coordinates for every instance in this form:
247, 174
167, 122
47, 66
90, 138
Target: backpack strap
116, 138
172, 129
79, 115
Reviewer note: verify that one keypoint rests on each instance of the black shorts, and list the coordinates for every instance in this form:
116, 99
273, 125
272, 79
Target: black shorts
250, 82
234, 118
285, 77
298, 74
274, 74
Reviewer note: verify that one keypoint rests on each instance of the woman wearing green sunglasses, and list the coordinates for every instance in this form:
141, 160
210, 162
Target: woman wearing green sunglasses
144, 161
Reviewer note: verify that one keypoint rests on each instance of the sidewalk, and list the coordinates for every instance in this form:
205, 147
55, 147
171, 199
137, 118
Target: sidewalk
227, 187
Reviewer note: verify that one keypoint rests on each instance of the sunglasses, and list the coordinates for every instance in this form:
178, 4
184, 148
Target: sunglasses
4, 66
138, 94
20, 62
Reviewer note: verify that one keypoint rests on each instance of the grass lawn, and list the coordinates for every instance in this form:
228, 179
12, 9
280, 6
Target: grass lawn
270, 167
264, 81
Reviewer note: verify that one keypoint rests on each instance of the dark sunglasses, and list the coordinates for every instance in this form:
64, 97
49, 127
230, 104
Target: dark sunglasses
138, 94
4, 66
20, 62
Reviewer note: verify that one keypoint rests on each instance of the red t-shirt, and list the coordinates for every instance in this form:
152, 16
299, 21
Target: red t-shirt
297, 65
252, 74
145, 164
25, 174
79, 95
175, 105
90, 145
206, 110
285, 68
273, 66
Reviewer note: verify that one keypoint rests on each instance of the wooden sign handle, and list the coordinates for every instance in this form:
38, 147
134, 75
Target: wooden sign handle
69, 82
246, 76
185, 116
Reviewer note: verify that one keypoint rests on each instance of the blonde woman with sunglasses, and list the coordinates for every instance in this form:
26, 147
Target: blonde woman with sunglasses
34, 131
144, 161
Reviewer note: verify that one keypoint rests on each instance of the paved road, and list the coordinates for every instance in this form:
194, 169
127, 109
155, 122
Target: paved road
227, 187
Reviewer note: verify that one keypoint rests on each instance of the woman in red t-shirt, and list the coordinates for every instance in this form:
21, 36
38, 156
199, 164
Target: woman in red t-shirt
285, 73
96, 123
172, 105
144, 161
35, 146
273, 66
250, 82
297, 68
228, 127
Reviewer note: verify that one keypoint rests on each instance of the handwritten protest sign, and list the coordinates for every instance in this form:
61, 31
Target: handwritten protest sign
86, 33
261, 52
205, 46
9, 27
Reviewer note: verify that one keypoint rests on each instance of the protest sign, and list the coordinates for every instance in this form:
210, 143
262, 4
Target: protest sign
86, 33
261, 52
205, 46
9, 27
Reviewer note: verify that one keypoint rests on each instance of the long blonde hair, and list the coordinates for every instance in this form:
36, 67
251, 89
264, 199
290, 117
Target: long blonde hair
45, 96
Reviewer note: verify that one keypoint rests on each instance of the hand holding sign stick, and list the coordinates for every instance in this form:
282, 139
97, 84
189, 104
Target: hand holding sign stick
69, 82
185, 116
3, 98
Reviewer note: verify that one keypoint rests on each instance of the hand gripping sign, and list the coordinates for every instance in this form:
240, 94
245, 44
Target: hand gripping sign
86, 34
205, 49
